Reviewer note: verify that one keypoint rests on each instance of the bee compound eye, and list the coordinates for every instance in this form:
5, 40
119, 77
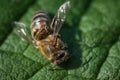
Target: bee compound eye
60, 55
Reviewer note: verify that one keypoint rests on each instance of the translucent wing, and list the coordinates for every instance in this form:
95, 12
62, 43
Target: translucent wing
20, 29
60, 17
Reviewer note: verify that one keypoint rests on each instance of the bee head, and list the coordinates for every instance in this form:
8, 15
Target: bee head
60, 57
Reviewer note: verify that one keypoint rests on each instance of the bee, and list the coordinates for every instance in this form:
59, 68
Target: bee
45, 34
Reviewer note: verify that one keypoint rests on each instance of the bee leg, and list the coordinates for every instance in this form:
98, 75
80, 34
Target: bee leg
54, 43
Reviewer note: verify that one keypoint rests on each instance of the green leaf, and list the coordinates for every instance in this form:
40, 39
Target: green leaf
11, 11
91, 31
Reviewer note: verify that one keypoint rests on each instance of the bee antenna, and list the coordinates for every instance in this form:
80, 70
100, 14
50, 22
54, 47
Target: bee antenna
54, 67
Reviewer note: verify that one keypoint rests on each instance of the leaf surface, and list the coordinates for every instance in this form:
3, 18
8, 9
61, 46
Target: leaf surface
91, 31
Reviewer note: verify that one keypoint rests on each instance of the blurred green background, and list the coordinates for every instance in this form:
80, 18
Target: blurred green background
91, 31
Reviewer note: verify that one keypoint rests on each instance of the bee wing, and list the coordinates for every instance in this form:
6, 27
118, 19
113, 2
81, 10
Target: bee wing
20, 30
60, 17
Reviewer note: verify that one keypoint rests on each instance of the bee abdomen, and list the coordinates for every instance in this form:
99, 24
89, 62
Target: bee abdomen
40, 27
42, 15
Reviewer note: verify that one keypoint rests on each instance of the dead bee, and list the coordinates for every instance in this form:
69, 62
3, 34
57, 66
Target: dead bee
46, 35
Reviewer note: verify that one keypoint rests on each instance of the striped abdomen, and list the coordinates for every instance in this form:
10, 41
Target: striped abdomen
40, 27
